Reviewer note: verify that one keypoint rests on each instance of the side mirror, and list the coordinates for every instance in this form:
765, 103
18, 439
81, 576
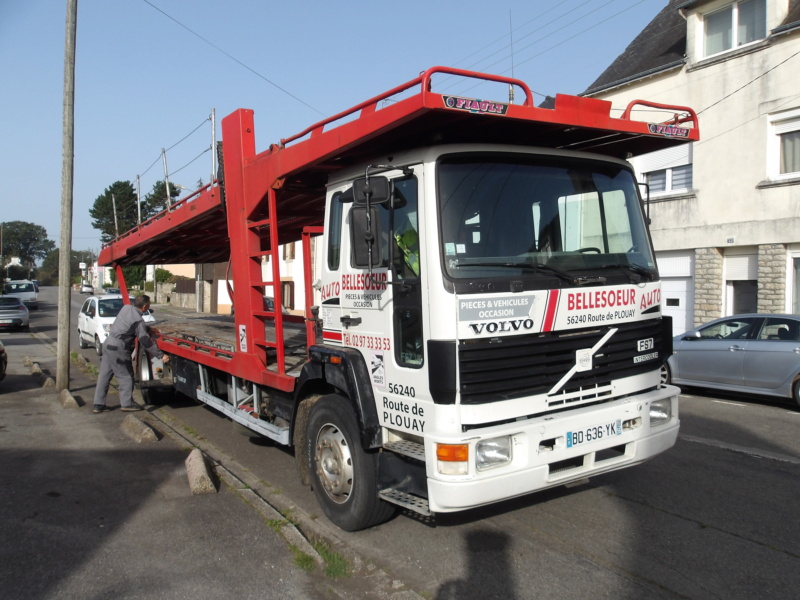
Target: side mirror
363, 237
692, 335
376, 188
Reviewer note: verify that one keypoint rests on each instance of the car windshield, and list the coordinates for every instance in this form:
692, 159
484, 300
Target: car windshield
15, 288
110, 307
512, 215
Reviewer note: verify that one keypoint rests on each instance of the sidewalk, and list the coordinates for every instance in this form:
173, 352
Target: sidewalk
86, 512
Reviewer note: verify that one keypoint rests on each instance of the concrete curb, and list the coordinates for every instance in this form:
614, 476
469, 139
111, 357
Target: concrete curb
200, 481
36, 370
138, 430
68, 400
287, 529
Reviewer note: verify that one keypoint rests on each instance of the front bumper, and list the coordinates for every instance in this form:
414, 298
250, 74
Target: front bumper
543, 459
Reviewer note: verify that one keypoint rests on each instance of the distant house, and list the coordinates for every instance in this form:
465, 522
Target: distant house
725, 212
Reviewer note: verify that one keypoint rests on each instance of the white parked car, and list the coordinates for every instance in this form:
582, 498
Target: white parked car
95, 319
24, 290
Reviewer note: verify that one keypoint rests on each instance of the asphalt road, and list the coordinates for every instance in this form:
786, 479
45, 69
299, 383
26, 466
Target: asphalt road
715, 517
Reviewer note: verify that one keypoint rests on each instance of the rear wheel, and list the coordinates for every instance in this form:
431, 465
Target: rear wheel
796, 392
81, 342
343, 475
144, 374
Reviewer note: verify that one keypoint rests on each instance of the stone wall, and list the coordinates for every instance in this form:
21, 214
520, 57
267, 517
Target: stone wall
165, 295
772, 278
708, 285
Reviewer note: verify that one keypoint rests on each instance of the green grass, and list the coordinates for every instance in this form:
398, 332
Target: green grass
303, 560
336, 565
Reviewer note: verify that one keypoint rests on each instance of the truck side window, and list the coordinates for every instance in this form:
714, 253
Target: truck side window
335, 232
408, 337
406, 263
405, 227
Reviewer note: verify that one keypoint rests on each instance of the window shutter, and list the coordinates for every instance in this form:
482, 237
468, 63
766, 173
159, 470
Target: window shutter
741, 268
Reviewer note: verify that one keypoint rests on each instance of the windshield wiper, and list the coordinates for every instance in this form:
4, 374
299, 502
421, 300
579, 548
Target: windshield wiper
540, 267
632, 268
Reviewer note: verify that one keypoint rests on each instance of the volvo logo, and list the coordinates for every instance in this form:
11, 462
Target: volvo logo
502, 326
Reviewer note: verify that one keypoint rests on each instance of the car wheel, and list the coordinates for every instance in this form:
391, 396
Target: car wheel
343, 474
796, 392
81, 342
98, 347
666, 374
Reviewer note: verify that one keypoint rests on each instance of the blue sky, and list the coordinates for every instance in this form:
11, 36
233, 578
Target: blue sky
144, 81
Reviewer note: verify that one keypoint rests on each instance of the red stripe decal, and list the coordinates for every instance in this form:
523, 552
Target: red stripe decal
333, 336
550, 312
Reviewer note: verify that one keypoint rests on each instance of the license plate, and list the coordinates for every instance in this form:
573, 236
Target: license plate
594, 433
6, 320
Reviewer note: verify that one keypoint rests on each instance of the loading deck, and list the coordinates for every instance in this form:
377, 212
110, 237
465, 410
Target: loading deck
216, 336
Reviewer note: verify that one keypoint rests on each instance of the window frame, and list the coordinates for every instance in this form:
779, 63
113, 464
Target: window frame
668, 181
779, 124
733, 7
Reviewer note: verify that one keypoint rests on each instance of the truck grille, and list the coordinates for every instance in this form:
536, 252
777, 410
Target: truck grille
504, 368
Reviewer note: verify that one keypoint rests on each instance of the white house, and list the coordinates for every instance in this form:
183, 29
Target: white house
726, 211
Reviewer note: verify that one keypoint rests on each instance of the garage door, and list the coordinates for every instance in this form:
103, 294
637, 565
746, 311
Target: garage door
678, 294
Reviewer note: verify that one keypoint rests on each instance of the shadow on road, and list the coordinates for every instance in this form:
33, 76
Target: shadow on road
489, 574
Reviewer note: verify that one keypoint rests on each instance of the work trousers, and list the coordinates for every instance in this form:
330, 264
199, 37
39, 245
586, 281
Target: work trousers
116, 362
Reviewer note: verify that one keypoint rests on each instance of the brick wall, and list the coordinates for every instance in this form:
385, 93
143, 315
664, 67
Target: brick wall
772, 278
707, 285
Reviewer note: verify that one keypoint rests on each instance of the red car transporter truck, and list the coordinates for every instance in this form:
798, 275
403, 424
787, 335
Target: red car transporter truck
488, 320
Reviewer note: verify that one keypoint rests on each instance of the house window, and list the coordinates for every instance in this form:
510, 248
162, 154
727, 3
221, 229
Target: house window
735, 25
669, 180
790, 152
796, 286
783, 154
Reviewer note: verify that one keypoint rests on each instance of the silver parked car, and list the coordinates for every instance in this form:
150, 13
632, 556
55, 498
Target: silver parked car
752, 353
13, 313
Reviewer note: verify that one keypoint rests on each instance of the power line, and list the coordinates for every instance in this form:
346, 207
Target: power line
234, 59
550, 34
736, 91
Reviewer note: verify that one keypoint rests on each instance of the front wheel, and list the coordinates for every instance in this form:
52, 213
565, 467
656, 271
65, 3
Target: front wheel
343, 475
666, 374
796, 392
98, 347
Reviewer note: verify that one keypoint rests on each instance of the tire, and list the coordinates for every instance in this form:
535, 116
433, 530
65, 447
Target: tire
81, 342
796, 392
343, 475
666, 374
98, 347
143, 373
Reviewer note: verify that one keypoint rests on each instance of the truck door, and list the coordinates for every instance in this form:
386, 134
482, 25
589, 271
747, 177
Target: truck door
382, 313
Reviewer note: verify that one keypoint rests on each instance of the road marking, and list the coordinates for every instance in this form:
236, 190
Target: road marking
730, 403
754, 452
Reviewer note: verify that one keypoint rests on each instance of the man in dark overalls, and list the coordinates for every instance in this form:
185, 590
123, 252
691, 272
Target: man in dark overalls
117, 350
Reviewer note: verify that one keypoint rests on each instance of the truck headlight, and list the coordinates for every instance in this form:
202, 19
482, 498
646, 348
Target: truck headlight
493, 452
660, 411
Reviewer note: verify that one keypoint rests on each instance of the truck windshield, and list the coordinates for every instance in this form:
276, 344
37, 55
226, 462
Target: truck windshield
535, 215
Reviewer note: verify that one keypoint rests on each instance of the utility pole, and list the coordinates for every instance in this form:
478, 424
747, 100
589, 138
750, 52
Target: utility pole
67, 173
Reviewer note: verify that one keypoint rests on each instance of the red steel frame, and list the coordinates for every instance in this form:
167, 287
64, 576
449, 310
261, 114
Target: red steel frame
258, 196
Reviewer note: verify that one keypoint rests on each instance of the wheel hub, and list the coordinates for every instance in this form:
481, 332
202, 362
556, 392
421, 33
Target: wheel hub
334, 463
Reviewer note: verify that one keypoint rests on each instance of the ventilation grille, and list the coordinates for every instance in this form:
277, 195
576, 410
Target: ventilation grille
504, 368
